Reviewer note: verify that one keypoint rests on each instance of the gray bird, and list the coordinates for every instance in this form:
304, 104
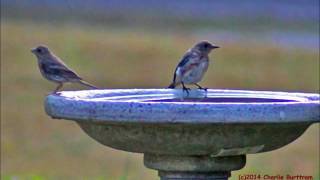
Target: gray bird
193, 65
53, 69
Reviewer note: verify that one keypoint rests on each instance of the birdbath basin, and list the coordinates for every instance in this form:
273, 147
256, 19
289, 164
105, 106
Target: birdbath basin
200, 135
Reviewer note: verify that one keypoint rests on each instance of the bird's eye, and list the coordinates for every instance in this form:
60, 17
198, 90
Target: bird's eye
39, 50
206, 45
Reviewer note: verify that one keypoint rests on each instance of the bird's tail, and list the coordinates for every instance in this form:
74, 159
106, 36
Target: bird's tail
172, 85
87, 84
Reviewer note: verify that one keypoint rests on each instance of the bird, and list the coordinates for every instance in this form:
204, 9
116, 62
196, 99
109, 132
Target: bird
193, 66
54, 69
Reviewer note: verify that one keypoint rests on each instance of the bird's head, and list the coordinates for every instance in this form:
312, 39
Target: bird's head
41, 51
205, 47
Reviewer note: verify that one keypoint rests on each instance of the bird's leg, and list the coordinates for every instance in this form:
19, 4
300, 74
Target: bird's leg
200, 87
184, 88
57, 89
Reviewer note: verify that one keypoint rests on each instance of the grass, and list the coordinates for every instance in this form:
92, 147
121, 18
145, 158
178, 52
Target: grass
35, 147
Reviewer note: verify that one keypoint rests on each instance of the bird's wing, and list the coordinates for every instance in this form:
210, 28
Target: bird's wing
184, 65
58, 69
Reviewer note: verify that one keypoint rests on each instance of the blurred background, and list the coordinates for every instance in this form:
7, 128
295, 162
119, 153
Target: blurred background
266, 45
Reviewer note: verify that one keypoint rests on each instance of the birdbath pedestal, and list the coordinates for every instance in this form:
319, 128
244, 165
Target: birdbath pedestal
203, 135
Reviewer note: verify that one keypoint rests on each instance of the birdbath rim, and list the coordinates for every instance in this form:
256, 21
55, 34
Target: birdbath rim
171, 106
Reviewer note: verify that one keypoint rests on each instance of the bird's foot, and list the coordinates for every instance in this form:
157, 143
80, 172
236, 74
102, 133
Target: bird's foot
205, 89
186, 89
55, 93
201, 88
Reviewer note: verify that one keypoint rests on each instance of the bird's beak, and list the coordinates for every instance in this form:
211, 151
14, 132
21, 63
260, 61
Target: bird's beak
214, 47
33, 50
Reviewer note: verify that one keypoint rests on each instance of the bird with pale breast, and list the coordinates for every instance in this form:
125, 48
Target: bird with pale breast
54, 69
193, 65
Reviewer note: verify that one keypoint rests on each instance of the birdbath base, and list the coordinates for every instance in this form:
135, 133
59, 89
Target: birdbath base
194, 167
194, 175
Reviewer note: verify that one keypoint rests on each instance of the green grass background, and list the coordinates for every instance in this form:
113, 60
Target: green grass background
33, 146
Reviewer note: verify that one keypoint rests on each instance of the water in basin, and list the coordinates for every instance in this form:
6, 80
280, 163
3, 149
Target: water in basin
224, 100
166, 96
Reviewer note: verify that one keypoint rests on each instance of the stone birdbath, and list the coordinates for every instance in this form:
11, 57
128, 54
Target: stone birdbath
200, 135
